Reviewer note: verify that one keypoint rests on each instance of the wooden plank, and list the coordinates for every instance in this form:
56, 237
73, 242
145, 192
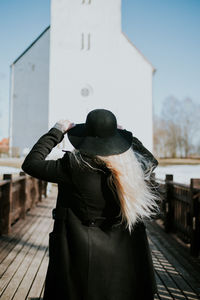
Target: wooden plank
5, 239
15, 257
19, 263
172, 290
13, 254
42, 293
162, 290
36, 290
170, 277
30, 261
25, 255
162, 265
12, 257
38, 256
180, 255
19, 233
20, 226
10, 241
182, 275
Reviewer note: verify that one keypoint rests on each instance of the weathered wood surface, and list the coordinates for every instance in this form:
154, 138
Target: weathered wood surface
17, 196
177, 272
180, 207
24, 253
24, 259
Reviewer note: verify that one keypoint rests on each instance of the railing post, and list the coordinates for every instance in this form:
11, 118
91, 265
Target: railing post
6, 206
45, 183
167, 205
40, 184
37, 191
43, 188
23, 196
195, 216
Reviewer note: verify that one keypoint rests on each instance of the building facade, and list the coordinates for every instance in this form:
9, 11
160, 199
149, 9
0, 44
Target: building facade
29, 95
92, 64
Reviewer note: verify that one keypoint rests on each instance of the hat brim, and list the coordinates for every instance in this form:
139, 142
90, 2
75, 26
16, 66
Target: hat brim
118, 143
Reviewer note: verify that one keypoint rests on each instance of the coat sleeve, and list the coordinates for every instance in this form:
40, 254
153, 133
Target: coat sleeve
144, 156
35, 163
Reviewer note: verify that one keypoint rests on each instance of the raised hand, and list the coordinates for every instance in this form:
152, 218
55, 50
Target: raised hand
63, 125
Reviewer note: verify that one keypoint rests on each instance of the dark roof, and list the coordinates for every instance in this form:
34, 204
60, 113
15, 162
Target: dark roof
31, 44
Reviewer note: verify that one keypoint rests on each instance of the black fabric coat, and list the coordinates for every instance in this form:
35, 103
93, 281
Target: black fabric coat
89, 261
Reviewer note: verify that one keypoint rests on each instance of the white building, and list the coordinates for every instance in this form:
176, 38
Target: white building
30, 95
92, 65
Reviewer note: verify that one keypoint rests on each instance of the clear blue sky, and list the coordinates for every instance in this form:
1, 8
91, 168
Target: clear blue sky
165, 31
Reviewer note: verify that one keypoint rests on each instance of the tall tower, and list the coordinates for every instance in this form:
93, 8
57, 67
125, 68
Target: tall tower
93, 65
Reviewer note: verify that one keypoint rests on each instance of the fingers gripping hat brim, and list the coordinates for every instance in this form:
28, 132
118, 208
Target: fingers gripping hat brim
118, 143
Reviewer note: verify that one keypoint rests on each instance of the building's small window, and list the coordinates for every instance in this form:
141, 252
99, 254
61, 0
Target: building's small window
82, 41
86, 1
89, 41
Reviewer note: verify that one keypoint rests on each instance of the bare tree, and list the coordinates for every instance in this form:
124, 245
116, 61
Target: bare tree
175, 130
160, 137
189, 122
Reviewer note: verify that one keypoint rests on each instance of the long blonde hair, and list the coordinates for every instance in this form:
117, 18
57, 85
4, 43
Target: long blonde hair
137, 199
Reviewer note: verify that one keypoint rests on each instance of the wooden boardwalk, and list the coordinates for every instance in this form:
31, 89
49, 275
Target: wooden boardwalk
24, 259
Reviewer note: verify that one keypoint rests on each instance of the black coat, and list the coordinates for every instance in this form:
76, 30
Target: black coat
88, 260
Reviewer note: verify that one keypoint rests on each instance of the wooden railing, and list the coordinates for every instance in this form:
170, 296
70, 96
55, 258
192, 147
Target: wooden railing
17, 196
180, 210
179, 205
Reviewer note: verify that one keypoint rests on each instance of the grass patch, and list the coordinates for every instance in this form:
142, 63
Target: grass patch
178, 161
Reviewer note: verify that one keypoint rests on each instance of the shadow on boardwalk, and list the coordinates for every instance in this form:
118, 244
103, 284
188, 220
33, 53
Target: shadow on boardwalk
177, 273
24, 259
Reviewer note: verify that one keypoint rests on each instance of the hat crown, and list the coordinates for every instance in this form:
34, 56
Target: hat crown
99, 135
101, 123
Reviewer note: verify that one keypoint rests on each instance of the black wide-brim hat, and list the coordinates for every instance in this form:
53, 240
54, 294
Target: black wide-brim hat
100, 135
